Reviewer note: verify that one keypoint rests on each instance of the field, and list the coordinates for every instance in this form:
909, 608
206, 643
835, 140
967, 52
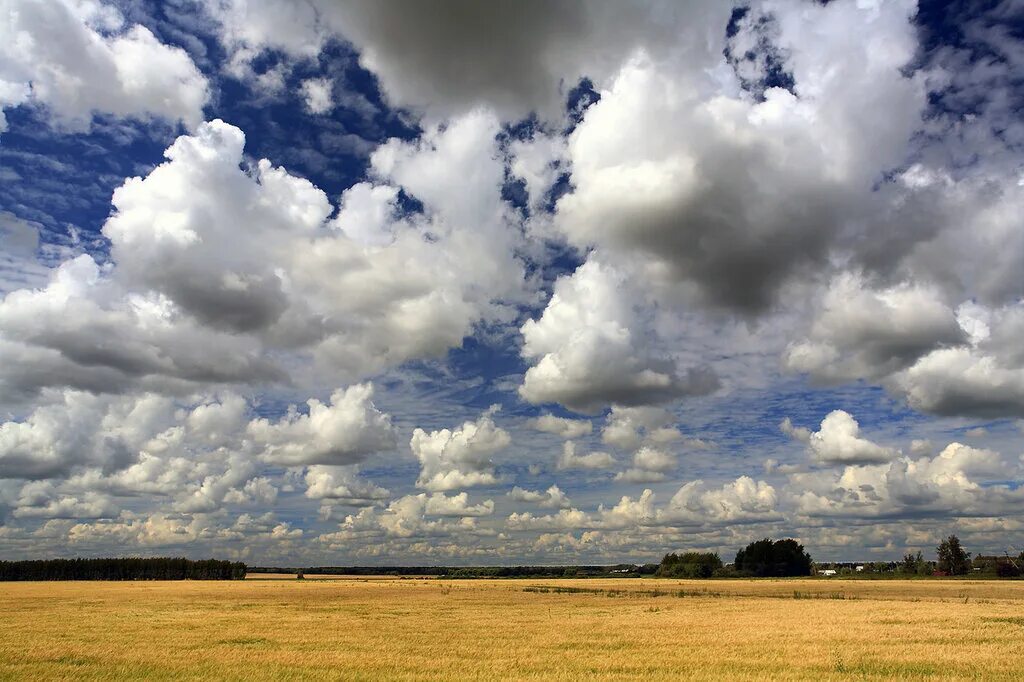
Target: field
429, 629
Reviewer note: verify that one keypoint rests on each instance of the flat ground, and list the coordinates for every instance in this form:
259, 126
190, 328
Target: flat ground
428, 629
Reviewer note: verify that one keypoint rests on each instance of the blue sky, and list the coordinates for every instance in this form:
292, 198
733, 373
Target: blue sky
346, 283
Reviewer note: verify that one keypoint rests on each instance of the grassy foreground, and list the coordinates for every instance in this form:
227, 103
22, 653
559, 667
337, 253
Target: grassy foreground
425, 629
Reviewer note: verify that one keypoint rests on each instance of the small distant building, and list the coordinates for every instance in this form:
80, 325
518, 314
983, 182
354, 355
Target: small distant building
859, 568
827, 572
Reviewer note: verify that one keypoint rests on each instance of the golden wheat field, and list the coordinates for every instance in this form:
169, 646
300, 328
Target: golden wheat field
429, 629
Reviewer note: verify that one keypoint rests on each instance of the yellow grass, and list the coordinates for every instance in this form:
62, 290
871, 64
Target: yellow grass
428, 629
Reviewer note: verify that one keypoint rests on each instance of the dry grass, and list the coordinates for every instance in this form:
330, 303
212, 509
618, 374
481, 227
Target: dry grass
513, 629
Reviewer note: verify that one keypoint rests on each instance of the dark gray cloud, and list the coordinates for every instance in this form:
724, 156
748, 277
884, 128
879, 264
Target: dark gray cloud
517, 57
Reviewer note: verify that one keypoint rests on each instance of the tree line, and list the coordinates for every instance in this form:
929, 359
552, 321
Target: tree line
760, 559
613, 571
953, 559
122, 569
780, 558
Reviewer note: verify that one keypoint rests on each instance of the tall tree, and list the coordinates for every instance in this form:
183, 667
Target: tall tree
953, 560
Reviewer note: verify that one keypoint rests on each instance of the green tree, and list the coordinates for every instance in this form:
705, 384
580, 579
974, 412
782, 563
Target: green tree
953, 560
689, 565
913, 564
773, 558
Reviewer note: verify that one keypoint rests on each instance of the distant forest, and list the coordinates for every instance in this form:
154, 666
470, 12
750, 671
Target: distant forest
615, 571
122, 569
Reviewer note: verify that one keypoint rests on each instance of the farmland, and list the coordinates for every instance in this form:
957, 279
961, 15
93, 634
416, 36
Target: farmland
428, 629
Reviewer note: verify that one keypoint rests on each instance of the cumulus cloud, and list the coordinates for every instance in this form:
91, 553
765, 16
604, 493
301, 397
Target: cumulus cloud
569, 459
439, 504
342, 432
960, 480
77, 59
864, 332
214, 267
592, 347
317, 95
552, 497
561, 427
202, 456
175, 231
798, 433
650, 465
947, 360
61, 335
741, 501
49, 441
215, 489
838, 441
695, 504
963, 382
729, 196
411, 516
627, 513
629, 427
516, 60
41, 499
538, 162
338, 483
76, 430
180, 531
460, 458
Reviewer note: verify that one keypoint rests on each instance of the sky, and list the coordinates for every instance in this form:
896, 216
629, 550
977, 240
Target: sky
315, 282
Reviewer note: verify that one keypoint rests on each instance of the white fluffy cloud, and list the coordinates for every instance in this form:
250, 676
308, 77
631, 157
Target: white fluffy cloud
569, 459
61, 335
628, 428
50, 440
215, 267
317, 94
439, 504
552, 497
838, 441
41, 499
77, 58
460, 458
730, 197
863, 332
964, 381
694, 504
562, 427
741, 501
650, 465
234, 484
411, 516
343, 432
958, 481
201, 456
591, 347
339, 483
962, 360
